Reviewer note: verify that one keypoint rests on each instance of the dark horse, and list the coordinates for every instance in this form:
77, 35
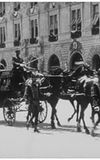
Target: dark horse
56, 83
87, 92
95, 92
50, 90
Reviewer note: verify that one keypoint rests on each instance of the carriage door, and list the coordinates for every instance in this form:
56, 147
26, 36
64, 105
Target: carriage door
53, 62
96, 62
76, 57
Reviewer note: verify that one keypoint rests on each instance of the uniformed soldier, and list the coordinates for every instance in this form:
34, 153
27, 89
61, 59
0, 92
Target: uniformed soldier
32, 93
17, 60
17, 71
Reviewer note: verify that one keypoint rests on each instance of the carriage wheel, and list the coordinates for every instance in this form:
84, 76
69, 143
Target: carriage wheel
43, 111
9, 112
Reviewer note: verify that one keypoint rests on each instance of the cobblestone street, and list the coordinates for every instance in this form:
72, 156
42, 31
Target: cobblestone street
64, 141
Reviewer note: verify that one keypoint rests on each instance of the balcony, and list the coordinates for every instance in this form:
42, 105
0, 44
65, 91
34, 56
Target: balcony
76, 34
17, 43
2, 45
2, 13
33, 41
52, 38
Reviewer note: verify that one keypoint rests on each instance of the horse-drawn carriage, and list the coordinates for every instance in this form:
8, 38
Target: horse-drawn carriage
11, 98
58, 82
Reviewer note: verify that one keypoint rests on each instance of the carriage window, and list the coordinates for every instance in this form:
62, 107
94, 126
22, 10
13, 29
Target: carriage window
76, 23
95, 19
53, 28
2, 8
2, 37
16, 6
17, 34
34, 31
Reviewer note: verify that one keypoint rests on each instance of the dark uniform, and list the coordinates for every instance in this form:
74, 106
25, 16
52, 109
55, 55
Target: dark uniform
32, 94
17, 60
17, 70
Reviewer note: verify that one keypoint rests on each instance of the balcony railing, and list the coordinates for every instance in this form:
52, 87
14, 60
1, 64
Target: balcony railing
33, 41
17, 43
2, 45
52, 38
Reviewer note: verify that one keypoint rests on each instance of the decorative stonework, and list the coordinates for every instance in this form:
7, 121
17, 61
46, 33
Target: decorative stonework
16, 15
75, 46
3, 19
33, 10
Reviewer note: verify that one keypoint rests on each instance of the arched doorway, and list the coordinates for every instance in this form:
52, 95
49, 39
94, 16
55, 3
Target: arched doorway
96, 62
76, 57
53, 62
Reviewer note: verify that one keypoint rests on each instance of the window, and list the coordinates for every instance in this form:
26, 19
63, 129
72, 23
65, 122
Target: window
95, 19
32, 4
76, 23
34, 31
2, 37
52, 5
17, 35
53, 28
33, 7
2, 8
16, 6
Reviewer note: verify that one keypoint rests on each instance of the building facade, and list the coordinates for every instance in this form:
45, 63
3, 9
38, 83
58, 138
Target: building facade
56, 33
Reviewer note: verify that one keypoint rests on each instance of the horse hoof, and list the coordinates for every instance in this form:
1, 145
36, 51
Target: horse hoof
36, 130
78, 129
59, 124
27, 125
69, 119
32, 123
87, 132
92, 133
53, 127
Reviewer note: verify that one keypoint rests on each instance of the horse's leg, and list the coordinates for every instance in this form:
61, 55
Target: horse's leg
76, 110
27, 119
73, 112
95, 123
36, 120
79, 120
31, 119
52, 117
58, 122
85, 127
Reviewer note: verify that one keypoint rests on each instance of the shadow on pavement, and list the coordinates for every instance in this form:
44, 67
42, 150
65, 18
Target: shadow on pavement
47, 127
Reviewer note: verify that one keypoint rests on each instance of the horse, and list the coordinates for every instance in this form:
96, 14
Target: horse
95, 104
51, 84
85, 85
